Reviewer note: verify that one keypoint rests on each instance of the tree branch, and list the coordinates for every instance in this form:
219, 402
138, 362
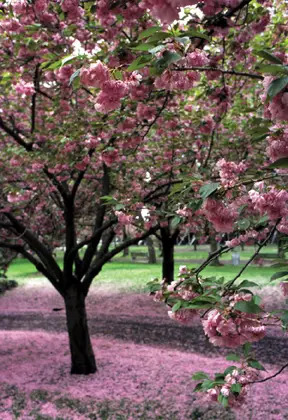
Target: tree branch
38, 247
263, 243
233, 72
97, 267
15, 136
270, 377
33, 100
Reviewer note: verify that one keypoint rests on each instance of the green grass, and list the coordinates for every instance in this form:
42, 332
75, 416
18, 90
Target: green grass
131, 276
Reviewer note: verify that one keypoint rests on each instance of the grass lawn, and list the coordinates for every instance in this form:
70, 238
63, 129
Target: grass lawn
133, 276
185, 252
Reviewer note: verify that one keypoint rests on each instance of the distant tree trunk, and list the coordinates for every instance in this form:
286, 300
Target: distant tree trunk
160, 247
281, 248
213, 248
82, 355
151, 251
168, 243
125, 250
195, 243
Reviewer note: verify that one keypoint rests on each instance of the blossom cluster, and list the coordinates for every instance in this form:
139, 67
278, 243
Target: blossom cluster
229, 171
178, 289
112, 91
272, 202
249, 235
222, 217
235, 387
232, 328
278, 145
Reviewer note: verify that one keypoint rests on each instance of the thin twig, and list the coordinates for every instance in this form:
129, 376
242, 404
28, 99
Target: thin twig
233, 72
260, 246
272, 376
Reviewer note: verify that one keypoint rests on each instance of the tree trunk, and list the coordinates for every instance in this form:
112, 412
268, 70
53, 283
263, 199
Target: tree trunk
168, 242
213, 248
82, 355
151, 251
281, 247
125, 237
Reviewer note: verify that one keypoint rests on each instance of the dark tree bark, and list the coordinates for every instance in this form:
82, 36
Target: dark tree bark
168, 243
151, 251
125, 250
82, 355
281, 245
213, 248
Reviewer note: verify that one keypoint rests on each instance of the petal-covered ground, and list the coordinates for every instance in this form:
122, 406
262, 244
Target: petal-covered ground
145, 363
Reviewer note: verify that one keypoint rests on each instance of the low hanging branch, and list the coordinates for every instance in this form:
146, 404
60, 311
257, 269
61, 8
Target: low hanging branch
272, 376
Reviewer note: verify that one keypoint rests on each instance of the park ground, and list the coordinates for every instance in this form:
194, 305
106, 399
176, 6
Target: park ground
145, 360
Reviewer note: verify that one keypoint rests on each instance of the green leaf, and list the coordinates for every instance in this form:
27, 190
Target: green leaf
223, 400
279, 163
159, 36
275, 69
284, 317
263, 220
168, 57
139, 63
268, 56
279, 275
198, 305
247, 307
259, 138
183, 40
197, 376
148, 32
118, 75
255, 364
236, 388
276, 86
207, 384
198, 387
74, 76
155, 50
247, 283
229, 370
154, 287
246, 349
68, 59
175, 221
196, 34
243, 224
232, 356
119, 206
143, 47
108, 199
256, 299
177, 306
208, 189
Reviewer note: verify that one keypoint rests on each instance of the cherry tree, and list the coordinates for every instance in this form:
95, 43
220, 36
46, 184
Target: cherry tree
108, 108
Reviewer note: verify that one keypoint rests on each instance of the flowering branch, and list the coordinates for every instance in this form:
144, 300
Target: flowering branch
254, 255
272, 376
233, 72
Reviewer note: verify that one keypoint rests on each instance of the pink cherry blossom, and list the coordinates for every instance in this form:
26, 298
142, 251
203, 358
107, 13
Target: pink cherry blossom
95, 75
